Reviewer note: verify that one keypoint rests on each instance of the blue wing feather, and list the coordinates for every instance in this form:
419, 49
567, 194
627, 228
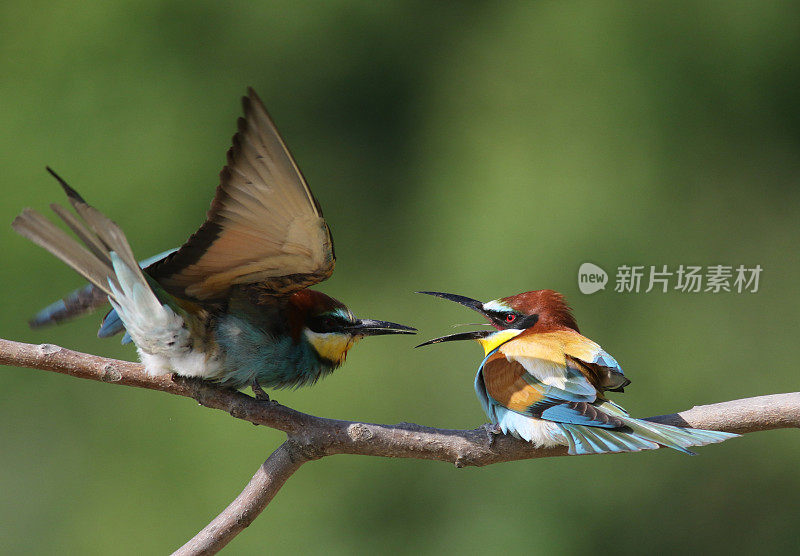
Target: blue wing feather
565, 414
605, 359
111, 325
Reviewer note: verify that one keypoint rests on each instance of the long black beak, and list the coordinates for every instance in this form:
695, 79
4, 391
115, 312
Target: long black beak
473, 304
478, 334
369, 327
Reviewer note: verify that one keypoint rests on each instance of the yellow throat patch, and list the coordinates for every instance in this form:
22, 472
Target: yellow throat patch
330, 345
491, 342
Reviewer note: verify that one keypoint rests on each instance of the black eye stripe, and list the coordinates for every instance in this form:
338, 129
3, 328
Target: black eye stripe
326, 323
530, 320
520, 321
500, 316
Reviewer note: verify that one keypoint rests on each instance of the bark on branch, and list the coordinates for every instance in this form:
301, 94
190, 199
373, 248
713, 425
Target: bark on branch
311, 437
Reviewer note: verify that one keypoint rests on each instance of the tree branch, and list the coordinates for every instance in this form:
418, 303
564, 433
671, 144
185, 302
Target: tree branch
261, 489
311, 437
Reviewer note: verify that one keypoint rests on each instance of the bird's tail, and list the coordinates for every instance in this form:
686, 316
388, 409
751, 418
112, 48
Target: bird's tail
105, 258
79, 302
85, 300
638, 435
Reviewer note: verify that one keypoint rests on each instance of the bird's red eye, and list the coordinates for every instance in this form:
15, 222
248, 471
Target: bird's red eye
511, 317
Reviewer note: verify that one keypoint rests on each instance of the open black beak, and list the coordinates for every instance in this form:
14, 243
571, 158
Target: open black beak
473, 304
478, 334
369, 327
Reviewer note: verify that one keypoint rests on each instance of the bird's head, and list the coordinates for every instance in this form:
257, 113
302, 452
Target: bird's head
330, 327
539, 310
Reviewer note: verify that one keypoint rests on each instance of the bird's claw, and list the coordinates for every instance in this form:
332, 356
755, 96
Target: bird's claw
258, 392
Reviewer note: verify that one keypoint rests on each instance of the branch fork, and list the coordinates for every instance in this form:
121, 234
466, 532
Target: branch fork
310, 437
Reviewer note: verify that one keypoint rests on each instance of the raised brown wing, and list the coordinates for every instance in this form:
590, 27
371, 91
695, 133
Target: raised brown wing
264, 225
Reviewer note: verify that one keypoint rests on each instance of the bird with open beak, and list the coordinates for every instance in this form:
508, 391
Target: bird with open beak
544, 382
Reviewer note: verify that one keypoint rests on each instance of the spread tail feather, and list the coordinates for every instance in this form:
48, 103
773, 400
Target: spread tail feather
47, 235
86, 300
154, 321
638, 435
93, 260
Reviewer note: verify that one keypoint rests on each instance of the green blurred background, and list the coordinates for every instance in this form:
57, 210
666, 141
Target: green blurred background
477, 148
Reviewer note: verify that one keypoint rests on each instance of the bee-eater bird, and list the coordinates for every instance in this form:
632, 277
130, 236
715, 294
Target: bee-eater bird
232, 304
544, 382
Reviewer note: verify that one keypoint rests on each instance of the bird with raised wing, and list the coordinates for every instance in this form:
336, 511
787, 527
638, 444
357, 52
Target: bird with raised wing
233, 304
542, 381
